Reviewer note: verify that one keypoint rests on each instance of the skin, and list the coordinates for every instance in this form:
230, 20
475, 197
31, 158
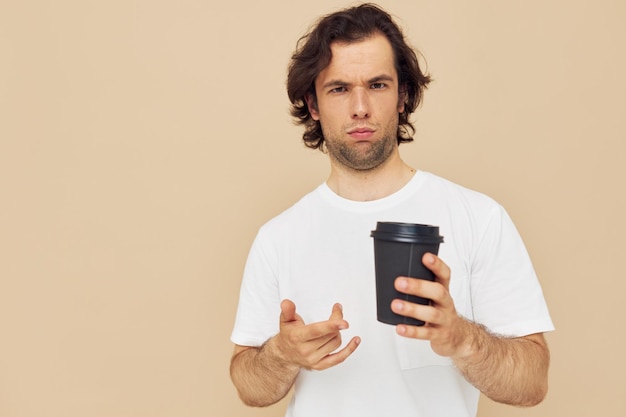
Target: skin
508, 370
264, 375
358, 100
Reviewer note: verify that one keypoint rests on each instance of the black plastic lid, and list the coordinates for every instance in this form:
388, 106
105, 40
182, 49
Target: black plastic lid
407, 232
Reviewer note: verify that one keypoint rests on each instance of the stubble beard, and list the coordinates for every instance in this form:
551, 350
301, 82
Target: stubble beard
362, 156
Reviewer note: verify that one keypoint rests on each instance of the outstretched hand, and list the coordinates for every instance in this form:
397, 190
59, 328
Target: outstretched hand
312, 346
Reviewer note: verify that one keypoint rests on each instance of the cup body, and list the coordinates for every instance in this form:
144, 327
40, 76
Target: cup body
398, 251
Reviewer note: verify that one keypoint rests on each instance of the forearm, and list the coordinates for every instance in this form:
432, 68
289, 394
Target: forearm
260, 376
508, 370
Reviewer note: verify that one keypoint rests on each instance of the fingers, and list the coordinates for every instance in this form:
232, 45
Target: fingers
438, 267
422, 288
437, 291
323, 329
311, 346
429, 314
434, 313
448, 338
415, 332
334, 324
340, 356
442, 304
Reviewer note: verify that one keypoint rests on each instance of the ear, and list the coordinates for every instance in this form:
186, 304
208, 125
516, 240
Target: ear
401, 98
311, 102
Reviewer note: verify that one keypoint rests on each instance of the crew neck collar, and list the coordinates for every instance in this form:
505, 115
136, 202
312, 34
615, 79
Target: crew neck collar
379, 204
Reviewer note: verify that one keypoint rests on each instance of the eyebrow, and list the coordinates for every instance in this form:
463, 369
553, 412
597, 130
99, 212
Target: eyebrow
383, 77
340, 83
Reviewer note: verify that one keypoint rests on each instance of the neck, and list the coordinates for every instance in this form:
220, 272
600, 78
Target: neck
369, 185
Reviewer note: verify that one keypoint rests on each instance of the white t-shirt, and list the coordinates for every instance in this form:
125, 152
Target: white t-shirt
319, 252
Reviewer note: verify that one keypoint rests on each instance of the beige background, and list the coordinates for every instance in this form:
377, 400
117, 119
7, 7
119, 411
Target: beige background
142, 143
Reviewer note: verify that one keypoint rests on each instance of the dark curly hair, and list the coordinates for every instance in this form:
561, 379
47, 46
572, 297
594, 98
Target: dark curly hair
313, 54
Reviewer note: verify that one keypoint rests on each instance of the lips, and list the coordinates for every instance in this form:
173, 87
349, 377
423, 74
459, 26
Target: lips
361, 132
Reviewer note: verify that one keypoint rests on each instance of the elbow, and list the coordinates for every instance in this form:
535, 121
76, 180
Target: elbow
254, 399
252, 396
532, 397
249, 396
253, 402
537, 386
250, 393
531, 402
538, 396
525, 395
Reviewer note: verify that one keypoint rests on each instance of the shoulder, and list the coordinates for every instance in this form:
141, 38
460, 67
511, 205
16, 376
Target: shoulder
293, 216
458, 194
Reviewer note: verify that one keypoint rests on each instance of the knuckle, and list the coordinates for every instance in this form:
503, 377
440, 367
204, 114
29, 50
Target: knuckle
292, 339
316, 367
416, 284
414, 310
439, 292
411, 331
436, 316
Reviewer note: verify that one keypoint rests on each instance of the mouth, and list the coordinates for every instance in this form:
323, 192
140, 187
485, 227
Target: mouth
361, 133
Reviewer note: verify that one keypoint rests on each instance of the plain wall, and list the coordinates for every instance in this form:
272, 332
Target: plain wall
142, 144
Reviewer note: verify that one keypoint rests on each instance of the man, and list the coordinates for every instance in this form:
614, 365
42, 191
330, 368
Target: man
353, 83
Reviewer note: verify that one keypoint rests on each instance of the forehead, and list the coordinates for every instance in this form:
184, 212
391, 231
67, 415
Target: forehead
369, 57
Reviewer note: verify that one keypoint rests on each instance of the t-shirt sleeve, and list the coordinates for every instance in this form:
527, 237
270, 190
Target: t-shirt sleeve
506, 295
258, 311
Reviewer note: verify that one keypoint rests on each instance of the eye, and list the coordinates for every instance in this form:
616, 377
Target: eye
378, 86
340, 89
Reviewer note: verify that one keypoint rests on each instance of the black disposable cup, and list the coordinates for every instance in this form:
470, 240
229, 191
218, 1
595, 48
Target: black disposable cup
398, 251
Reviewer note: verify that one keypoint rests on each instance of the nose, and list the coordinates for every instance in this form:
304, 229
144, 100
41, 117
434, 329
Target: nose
360, 104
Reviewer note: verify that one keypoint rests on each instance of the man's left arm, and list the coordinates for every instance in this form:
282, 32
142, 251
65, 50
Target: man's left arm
510, 370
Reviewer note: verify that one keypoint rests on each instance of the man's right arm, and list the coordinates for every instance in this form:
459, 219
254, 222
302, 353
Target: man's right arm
264, 375
260, 376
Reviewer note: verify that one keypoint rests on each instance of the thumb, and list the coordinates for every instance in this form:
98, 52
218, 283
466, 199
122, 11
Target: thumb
288, 311
337, 313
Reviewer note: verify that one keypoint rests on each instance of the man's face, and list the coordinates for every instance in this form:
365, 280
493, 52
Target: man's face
358, 103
